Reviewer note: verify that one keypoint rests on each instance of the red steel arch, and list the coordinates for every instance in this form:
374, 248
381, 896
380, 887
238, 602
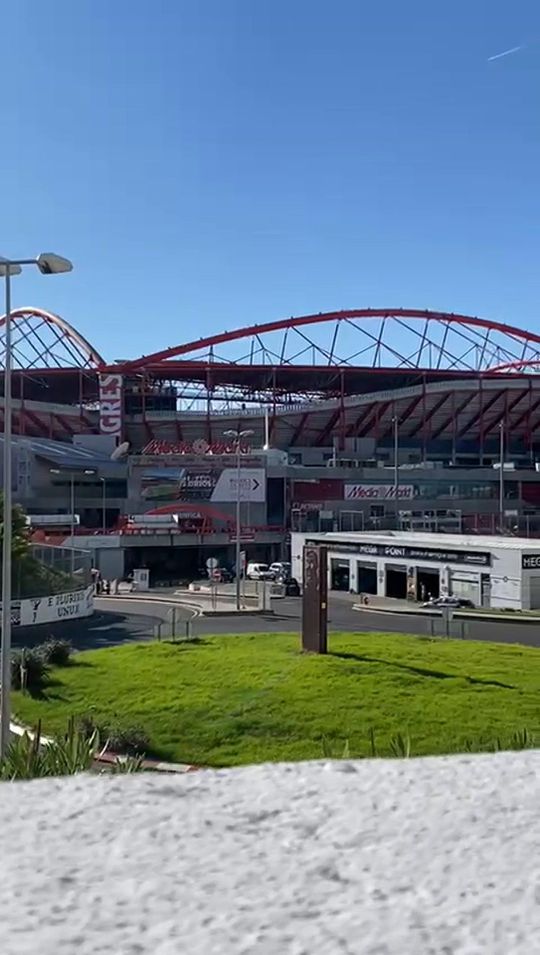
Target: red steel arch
482, 328
531, 364
41, 339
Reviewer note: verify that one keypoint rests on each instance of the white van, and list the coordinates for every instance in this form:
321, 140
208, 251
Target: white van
258, 572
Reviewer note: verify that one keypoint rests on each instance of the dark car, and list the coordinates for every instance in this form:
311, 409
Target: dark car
292, 587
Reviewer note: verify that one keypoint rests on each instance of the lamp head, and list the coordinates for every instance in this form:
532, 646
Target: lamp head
50, 264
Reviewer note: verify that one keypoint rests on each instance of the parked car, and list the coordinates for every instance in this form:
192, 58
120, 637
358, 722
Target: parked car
257, 571
227, 575
280, 569
292, 587
448, 600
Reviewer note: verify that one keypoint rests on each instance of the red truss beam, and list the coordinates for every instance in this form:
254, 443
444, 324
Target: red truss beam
299, 428
430, 414
527, 412
380, 411
507, 412
345, 315
328, 428
455, 414
27, 328
353, 428
478, 416
402, 417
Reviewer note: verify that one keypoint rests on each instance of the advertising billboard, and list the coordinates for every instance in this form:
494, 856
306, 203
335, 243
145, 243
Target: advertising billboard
377, 492
196, 479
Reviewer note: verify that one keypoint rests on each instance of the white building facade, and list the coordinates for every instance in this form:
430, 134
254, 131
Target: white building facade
490, 571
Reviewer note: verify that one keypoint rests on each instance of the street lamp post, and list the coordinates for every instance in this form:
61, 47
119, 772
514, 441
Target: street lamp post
501, 477
72, 508
238, 437
104, 505
48, 264
395, 422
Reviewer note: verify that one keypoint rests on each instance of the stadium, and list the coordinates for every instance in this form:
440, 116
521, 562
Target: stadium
451, 381
360, 419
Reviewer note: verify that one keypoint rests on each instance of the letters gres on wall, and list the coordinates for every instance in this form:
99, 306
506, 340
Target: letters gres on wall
110, 405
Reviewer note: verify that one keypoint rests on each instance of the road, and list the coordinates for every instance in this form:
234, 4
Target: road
131, 620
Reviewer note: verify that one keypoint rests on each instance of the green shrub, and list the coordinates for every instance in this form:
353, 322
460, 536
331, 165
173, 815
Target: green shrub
28, 757
29, 670
130, 740
56, 652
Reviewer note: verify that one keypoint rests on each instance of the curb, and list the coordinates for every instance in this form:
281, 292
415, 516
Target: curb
462, 614
198, 609
109, 758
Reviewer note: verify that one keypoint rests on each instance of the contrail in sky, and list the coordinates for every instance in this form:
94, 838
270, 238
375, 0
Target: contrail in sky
498, 56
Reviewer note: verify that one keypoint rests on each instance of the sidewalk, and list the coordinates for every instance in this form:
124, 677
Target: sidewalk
410, 608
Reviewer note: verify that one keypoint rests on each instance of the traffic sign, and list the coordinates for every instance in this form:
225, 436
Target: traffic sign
212, 563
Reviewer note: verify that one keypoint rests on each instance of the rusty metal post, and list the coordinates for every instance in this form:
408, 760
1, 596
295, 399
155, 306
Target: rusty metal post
315, 600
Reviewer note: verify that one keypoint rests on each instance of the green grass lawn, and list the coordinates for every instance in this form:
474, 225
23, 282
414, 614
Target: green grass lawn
225, 701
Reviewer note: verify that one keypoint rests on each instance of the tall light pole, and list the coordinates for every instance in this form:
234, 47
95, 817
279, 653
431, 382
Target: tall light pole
395, 422
501, 477
238, 436
72, 508
48, 264
104, 505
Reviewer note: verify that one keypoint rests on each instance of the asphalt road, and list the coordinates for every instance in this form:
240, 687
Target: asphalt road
130, 620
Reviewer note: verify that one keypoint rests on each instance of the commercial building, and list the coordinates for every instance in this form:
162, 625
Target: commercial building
490, 571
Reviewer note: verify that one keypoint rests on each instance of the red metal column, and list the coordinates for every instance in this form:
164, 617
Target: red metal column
424, 449
481, 422
342, 413
143, 401
81, 394
21, 396
208, 406
273, 416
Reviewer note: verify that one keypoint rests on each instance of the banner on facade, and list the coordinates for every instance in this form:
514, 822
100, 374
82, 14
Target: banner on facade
70, 606
203, 482
110, 405
252, 486
377, 492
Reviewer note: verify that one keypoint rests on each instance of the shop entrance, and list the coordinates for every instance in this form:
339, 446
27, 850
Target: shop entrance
340, 574
428, 583
366, 576
396, 581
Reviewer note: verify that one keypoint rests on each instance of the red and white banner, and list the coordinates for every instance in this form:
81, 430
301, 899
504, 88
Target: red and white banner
110, 405
377, 492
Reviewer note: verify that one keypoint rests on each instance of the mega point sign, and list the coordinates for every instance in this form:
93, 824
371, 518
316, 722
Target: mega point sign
377, 492
110, 405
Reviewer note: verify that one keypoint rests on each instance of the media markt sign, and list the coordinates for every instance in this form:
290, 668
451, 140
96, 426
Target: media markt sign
378, 492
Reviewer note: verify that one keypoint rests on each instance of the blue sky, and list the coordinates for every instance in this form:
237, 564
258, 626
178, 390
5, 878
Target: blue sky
211, 164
